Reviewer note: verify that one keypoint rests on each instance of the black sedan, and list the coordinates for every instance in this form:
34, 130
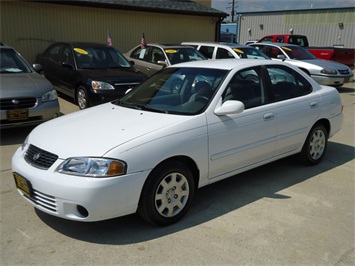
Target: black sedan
91, 73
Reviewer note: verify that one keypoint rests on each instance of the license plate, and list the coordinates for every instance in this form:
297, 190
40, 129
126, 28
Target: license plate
20, 114
23, 184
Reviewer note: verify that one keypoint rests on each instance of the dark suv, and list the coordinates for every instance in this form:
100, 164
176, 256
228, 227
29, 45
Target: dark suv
91, 73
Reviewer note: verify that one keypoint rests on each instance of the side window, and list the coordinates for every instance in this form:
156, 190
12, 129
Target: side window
272, 52
286, 83
53, 53
280, 39
247, 86
67, 56
140, 54
223, 53
207, 51
266, 39
156, 55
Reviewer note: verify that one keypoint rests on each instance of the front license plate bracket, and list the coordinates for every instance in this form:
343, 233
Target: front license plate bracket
23, 185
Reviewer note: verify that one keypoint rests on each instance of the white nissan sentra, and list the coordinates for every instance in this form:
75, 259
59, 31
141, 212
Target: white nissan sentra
149, 151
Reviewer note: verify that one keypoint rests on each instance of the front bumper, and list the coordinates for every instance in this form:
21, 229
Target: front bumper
79, 198
331, 81
36, 115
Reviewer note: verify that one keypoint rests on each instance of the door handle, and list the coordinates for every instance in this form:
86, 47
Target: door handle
313, 104
269, 116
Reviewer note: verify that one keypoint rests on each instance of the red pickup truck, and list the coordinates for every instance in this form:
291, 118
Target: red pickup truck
341, 55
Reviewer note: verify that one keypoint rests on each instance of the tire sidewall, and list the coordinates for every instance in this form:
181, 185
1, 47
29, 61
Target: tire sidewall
147, 208
83, 89
306, 156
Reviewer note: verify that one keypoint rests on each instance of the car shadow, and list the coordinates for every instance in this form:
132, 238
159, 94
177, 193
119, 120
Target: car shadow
346, 88
12, 136
210, 202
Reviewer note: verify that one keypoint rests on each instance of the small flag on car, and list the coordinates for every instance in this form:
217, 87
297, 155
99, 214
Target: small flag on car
143, 42
109, 39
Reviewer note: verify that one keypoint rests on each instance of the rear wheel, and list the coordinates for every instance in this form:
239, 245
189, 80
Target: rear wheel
82, 98
167, 194
315, 146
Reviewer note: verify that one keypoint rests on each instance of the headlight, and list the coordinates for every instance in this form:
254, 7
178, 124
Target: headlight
24, 144
99, 85
49, 96
92, 167
329, 71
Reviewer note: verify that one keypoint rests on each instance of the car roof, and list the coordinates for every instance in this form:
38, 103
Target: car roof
278, 44
83, 44
228, 64
219, 44
5, 46
164, 46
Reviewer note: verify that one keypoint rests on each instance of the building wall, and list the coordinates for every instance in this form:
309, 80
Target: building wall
30, 27
320, 26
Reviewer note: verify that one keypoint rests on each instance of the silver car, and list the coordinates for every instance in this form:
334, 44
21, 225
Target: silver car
153, 57
27, 98
324, 72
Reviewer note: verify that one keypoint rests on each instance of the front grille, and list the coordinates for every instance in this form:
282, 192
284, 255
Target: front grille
17, 103
343, 72
46, 201
40, 158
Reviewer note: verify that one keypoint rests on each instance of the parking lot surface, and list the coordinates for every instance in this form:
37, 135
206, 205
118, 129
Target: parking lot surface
282, 213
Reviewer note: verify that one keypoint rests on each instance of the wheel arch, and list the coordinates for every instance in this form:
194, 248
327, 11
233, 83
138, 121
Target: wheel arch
190, 164
325, 123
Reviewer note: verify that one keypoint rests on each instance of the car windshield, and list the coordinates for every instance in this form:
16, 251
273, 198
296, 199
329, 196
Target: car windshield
297, 53
11, 62
99, 57
184, 54
249, 53
185, 91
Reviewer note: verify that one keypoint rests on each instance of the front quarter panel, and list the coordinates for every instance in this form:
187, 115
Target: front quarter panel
186, 139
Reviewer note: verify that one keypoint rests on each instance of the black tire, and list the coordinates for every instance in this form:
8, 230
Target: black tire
315, 145
82, 98
167, 194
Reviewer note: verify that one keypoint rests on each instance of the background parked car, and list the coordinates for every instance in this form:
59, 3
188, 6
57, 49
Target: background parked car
219, 50
91, 73
153, 57
27, 98
323, 71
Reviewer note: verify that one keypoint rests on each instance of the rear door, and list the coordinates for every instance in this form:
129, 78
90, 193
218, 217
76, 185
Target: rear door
296, 107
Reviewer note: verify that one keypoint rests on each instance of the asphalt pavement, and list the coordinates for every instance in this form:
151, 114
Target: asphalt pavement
282, 213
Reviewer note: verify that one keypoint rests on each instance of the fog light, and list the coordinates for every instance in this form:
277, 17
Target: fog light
84, 212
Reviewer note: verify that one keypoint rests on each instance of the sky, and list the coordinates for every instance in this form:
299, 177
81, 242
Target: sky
273, 5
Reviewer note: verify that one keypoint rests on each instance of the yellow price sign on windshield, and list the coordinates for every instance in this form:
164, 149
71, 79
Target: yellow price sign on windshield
80, 51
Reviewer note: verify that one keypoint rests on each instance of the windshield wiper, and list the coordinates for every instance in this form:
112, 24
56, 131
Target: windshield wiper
138, 106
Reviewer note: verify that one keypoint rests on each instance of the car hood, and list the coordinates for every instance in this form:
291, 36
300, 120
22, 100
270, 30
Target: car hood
23, 85
115, 74
97, 130
326, 64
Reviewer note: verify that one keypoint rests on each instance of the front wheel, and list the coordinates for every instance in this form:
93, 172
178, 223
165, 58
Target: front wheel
315, 146
167, 194
82, 98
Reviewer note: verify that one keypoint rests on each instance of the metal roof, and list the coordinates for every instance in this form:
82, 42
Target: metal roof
186, 7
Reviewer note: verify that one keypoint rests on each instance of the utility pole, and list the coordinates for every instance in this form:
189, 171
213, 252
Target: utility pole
234, 6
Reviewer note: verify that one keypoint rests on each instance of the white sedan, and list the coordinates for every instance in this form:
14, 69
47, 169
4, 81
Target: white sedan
149, 151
